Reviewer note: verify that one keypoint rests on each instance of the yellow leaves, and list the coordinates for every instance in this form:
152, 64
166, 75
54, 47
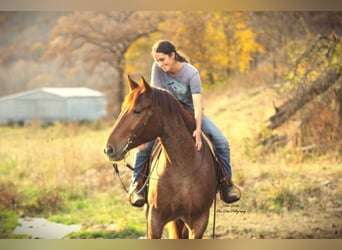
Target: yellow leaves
246, 48
138, 56
337, 58
216, 44
233, 45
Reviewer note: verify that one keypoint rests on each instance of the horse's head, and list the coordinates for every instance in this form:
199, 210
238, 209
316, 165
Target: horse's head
134, 126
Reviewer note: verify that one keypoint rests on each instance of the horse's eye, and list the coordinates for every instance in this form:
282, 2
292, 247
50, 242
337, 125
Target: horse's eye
137, 112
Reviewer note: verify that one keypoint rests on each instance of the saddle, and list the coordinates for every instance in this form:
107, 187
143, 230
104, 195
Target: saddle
222, 179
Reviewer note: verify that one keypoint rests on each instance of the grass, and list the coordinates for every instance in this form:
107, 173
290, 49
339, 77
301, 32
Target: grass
59, 172
8, 222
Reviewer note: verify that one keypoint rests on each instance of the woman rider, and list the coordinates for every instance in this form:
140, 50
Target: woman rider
173, 72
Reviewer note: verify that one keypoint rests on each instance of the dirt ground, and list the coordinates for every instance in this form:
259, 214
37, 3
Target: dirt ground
232, 222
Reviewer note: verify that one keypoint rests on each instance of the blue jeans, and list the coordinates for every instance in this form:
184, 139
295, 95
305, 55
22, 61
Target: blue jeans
220, 141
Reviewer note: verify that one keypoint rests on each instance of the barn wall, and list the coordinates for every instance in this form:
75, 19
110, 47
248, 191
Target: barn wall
49, 107
86, 108
10, 111
26, 109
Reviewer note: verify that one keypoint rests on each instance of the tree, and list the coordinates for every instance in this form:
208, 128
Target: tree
241, 42
188, 31
101, 39
281, 33
291, 106
317, 72
217, 43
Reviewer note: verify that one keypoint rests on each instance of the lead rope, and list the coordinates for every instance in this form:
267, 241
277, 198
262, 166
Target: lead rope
214, 219
117, 173
215, 200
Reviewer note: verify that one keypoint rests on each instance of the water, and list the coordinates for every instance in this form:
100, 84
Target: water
40, 228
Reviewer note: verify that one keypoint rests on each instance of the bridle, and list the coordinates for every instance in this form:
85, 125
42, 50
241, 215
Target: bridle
137, 132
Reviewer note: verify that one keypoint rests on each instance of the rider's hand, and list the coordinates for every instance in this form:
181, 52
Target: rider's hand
198, 140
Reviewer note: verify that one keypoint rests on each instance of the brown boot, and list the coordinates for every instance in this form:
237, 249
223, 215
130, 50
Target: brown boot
137, 199
228, 194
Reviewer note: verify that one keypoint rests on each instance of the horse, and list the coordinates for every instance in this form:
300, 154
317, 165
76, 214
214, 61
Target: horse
182, 182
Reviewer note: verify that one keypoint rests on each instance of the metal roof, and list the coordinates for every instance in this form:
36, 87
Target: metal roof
72, 92
61, 92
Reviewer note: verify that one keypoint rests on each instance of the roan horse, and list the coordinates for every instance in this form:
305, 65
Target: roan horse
182, 182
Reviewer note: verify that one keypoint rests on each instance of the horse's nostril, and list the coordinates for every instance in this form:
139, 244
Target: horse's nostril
109, 150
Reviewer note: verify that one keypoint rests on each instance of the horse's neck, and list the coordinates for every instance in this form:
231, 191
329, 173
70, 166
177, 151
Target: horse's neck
176, 141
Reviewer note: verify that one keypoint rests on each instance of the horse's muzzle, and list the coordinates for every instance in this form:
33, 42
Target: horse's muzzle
111, 153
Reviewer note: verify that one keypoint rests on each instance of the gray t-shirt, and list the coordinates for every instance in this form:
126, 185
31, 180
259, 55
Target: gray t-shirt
185, 83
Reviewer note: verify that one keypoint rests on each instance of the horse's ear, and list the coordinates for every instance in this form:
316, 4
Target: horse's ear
132, 83
145, 85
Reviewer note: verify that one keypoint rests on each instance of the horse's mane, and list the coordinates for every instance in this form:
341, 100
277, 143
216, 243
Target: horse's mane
171, 106
166, 101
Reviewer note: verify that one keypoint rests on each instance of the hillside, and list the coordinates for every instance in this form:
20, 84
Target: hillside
24, 65
286, 193
32, 27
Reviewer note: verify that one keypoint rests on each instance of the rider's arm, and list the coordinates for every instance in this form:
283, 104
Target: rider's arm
198, 112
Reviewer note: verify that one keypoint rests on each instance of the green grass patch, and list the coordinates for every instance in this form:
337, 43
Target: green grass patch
8, 223
100, 211
127, 233
284, 200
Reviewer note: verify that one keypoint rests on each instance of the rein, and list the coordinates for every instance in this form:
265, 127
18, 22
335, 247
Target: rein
117, 173
148, 177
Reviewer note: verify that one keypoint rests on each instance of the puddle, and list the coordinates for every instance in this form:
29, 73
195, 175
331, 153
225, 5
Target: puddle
40, 228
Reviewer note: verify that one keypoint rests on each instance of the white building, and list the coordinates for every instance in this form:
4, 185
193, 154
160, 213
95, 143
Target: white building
53, 104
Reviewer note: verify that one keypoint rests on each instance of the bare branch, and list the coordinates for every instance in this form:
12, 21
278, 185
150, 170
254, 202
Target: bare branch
290, 107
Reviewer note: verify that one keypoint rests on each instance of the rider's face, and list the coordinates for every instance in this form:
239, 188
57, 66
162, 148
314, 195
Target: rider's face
166, 62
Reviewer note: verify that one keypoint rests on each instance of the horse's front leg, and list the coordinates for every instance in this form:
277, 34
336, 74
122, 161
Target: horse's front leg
155, 224
198, 225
